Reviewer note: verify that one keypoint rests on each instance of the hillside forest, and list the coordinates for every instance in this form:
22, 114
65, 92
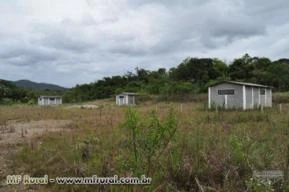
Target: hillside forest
191, 76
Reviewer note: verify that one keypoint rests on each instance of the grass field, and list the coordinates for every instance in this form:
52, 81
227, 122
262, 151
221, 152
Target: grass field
181, 146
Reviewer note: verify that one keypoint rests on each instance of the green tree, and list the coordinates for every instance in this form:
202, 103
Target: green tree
241, 68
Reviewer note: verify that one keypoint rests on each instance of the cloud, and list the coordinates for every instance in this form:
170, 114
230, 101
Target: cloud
69, 42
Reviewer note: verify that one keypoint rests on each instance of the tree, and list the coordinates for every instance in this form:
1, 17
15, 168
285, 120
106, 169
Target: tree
241, 69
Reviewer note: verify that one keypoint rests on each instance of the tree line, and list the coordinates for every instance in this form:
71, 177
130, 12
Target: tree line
10, 94
193, 75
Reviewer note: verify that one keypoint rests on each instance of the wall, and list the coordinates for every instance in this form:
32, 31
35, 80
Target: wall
47, 101
131, 100
262, 97
252, 97
269, 97
233, 101
119, 100
249, 99
256, 97
127, 100
264, 100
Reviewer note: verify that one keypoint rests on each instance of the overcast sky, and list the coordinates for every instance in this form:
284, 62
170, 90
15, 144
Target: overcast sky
69, 42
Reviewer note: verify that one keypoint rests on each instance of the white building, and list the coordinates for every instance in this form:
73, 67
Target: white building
125, 99
233, 94
49, 100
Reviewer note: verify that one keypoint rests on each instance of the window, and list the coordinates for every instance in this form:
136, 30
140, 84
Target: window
121, 96
226, 92
51, 99
262, 91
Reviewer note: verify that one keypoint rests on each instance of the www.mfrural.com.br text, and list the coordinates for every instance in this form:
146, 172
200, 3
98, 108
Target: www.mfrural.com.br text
115, 180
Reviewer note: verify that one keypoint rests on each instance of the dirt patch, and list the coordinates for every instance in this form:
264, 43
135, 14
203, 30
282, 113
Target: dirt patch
83, 106
14, 133
18, 132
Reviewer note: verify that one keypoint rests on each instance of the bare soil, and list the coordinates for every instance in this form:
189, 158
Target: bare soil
15, 133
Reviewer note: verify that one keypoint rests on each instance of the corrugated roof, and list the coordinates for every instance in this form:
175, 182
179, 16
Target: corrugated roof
50, 96
127, 93
244, 83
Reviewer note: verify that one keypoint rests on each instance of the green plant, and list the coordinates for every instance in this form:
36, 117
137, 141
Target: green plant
132, 124
259, 185
156, 137
150, 137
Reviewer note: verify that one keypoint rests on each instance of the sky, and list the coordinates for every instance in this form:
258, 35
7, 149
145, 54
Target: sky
69, 42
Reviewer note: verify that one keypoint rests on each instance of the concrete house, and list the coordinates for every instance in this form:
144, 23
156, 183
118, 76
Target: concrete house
49, 100
125, 99
233, 94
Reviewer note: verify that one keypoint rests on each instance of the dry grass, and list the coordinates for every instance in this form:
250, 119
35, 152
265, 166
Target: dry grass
215, 151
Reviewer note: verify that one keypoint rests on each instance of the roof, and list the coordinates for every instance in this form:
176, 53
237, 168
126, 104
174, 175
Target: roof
50, 96
127, 93
243, 83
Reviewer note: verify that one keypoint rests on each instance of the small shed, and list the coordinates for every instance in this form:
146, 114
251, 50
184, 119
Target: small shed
233, 94
49, 100
125, 98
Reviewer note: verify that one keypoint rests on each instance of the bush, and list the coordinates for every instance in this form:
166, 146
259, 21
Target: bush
148, 138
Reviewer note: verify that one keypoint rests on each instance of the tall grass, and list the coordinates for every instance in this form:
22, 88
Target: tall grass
182, 147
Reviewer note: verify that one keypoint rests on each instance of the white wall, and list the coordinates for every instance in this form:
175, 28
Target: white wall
126, 100
48, 101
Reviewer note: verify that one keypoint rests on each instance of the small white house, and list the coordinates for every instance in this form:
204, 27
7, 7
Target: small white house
49, 100
233, 94
125, 99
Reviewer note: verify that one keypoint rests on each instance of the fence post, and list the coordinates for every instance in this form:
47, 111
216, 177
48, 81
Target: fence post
286, 166
100, 113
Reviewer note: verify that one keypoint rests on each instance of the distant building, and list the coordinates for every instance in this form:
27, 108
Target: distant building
125, 99
233, 94
49, 100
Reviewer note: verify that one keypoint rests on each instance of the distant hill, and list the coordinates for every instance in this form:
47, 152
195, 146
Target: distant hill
283, 60
10, 93
26, 84
6, 84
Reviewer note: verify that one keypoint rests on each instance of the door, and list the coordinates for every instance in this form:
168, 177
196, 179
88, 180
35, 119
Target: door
121, 100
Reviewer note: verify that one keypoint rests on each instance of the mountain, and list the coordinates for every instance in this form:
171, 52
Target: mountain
26, 84
10, 93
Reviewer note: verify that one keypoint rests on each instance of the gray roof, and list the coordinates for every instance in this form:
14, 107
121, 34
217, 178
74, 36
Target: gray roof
127, 93
243, 83
42, 96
